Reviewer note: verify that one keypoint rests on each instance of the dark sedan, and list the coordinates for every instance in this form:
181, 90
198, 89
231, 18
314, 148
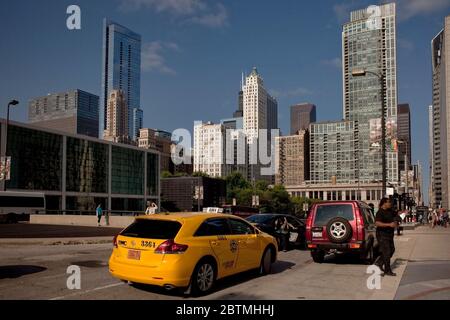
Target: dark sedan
266, 222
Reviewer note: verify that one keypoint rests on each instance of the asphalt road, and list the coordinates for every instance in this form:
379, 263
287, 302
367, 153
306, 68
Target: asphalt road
40, 272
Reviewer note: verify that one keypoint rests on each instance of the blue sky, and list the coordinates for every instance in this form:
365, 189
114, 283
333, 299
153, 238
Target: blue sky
195, 50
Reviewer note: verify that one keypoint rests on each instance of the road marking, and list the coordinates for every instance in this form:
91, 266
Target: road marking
88, 291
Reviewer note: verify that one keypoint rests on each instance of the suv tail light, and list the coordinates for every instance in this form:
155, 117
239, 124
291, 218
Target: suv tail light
309, 222
170, 247
359, 225
115, 242
308, 225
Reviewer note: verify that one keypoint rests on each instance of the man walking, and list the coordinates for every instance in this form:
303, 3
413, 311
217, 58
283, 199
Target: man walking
386, 224
99, 213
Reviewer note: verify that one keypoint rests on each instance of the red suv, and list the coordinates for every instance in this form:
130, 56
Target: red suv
341, 226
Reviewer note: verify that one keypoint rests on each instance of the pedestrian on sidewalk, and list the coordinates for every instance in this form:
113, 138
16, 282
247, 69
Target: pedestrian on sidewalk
99, 213
151, 208
107, 217
283, 227
433, 219
386, 224
399, 220
445, 218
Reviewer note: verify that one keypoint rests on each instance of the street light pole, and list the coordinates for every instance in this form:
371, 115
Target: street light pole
381, 77
11, 103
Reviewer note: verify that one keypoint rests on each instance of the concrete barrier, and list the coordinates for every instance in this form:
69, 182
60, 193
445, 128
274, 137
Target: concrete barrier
87, 221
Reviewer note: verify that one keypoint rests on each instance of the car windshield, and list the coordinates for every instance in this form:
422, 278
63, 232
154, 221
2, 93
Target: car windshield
259, 218
152, 229
327, 212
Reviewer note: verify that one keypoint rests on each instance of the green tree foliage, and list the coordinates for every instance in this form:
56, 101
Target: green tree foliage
272, 199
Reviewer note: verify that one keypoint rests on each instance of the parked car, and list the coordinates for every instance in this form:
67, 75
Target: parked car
341, 226
266, 223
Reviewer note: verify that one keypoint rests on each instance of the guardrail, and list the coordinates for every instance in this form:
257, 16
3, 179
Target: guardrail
110, 213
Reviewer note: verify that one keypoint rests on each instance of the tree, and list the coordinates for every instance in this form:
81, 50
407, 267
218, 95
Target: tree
235, 183
166, 174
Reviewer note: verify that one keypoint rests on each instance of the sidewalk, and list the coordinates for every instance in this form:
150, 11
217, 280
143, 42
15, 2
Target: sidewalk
427, 274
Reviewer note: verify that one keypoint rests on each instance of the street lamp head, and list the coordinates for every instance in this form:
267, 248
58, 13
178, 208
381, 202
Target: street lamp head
14, 102
358, 72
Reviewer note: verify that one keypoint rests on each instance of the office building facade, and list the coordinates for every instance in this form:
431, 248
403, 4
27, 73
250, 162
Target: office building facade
369, 43
209, 148
292, 159
77, 172
117, 118
404, 136
121, 71
74, 111
334, 152
159, 141
302, 115
440, 46
431, 193
192, 194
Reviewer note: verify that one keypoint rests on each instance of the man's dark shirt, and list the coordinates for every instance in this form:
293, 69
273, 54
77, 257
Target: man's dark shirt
385, 216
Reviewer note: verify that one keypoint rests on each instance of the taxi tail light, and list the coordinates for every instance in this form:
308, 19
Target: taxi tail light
170, 247
115, 242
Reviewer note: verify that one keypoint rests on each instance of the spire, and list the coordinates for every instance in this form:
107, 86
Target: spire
242, 82
254, 72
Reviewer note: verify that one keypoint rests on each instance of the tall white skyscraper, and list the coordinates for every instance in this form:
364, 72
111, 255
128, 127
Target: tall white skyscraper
369, 43
209, 148
260, 113
255, 105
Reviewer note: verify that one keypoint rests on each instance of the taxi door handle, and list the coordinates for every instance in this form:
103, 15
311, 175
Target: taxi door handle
241, 241
214, 243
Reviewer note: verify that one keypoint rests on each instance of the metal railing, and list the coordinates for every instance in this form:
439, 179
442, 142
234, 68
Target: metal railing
91, 212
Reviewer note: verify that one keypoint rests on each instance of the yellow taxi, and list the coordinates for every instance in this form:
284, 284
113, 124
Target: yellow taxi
189, 250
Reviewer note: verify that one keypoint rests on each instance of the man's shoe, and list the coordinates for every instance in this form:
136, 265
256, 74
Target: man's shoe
390, 273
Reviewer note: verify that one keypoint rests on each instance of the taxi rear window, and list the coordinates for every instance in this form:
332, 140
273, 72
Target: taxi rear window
152, 229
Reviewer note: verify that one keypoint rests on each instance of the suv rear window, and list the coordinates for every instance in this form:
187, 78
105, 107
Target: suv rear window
325, 213
152, 229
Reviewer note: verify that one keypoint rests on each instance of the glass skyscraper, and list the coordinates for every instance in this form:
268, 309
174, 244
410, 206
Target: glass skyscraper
369, 43
121, 70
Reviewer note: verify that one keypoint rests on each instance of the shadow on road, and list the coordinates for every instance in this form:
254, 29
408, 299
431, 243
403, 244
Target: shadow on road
90, 264
222, 284
344, 258
13, 272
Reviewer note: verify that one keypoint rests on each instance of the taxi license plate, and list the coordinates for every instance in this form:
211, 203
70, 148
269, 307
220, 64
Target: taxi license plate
134, 255
317, 234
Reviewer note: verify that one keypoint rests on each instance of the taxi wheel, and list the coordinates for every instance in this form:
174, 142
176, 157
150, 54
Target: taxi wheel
204, 277
266, 262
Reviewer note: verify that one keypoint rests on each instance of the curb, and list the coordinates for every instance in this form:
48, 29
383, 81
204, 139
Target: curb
55, 242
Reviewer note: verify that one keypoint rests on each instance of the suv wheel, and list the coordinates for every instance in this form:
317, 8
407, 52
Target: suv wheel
339, 230
318, 256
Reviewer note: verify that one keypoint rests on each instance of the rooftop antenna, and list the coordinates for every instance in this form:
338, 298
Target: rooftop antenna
242, 82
